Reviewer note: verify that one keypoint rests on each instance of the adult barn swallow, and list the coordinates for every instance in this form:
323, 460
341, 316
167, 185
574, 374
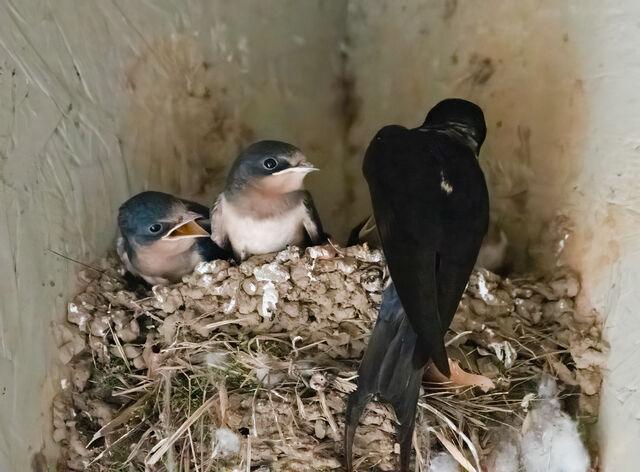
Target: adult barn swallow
264, 207
431, 208
163, 237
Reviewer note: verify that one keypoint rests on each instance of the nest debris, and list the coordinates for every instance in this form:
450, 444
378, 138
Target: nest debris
248, 367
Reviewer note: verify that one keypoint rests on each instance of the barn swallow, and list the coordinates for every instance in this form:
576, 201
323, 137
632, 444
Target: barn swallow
264, 207
163, 237
431, 208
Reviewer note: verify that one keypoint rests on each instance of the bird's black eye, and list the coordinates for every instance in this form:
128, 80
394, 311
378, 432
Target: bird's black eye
270, 163
155, 228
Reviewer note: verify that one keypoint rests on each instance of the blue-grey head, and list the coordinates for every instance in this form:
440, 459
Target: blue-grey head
155, 216
463, 116
270, 166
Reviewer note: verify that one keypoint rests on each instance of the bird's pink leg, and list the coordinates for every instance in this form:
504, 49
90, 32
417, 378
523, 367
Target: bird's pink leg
458, 378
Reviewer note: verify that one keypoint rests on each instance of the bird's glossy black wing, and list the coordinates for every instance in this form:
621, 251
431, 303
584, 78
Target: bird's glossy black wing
312, 223
407, 203
413, 271
466, 210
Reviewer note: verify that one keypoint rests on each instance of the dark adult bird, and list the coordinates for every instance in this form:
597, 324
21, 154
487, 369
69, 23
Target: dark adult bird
431, 209
264, 207
163, 237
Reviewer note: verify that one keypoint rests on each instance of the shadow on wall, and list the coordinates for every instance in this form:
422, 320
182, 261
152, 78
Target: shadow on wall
515, 59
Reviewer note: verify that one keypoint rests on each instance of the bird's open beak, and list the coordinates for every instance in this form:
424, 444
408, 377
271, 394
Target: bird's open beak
187, 228
303, 168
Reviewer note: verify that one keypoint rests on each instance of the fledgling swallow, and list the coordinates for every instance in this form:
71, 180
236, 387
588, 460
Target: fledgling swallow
431, 208
163, 237
264, 207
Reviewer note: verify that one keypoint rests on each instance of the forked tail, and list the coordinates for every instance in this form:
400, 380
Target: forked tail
387, 373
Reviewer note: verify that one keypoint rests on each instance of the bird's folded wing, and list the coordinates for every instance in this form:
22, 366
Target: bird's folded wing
311, 221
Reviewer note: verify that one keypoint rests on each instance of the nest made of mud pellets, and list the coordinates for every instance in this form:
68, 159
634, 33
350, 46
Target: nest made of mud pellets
250, 365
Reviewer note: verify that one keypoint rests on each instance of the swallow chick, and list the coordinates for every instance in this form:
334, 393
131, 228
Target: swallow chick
162, 237
264, 207
431, 212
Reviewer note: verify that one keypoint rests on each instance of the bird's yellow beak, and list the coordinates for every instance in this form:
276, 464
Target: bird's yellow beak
187, 228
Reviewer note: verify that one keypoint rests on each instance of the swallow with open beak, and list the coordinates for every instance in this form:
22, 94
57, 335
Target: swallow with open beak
264, 207
431, 211
163, 237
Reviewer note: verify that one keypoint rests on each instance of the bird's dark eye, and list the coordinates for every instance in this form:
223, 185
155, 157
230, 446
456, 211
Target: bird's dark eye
155, 228
270, 163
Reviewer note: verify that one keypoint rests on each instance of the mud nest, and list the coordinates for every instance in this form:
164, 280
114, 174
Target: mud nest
248, 367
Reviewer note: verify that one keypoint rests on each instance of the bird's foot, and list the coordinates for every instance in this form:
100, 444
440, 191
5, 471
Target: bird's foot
459, 378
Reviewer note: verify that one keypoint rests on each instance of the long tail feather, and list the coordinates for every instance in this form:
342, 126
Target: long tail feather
387, 372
